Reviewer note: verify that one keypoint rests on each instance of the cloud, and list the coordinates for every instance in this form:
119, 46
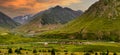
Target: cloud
31, 6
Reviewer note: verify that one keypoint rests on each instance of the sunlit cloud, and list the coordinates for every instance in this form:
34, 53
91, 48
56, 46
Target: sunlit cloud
31, 6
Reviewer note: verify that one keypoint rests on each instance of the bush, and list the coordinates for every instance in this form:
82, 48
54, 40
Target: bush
18, 51
65, 51
34, 51
20, 48
91, 51
103, 53
87, 54
53, 52
49, 50
72, 53
10, 50
96, 53
26, 52
107, 52
114, 53
40, 51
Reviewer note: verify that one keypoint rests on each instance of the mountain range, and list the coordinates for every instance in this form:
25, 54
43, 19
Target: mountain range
100, 21
50, 19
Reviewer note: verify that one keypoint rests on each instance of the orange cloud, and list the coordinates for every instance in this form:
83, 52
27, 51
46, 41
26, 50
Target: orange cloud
34, 6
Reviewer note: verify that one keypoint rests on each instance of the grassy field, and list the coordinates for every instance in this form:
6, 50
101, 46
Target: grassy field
91, 47
61, 46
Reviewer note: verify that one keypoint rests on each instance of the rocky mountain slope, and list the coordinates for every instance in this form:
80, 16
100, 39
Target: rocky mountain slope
100, 21
22, 19
50, 19
6, 22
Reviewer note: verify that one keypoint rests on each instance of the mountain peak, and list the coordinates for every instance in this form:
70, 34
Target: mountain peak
54, 16
57, 7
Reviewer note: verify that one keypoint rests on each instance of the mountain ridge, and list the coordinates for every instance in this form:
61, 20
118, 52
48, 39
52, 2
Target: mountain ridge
100, 21
55, 16
7, 22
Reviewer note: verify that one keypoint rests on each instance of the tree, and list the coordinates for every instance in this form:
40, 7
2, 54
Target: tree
20, 48
107, 52
103, 53
87, 53
10, 50
18, 51
66, 53
96, 53
40, 51
114, 53
72, 53
53, 52
34, 51
49, 50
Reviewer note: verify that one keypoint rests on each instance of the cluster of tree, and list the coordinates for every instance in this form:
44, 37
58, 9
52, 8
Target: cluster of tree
102, 53
18, 51
53, 51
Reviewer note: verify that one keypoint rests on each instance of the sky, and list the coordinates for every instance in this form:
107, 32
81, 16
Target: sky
15, 8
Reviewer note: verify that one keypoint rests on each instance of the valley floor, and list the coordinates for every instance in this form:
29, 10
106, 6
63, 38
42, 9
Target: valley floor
62, 47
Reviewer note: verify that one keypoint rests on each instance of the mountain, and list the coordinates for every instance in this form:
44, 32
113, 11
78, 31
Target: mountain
57, 15
100, 22
50, 19
22, 19
6, 21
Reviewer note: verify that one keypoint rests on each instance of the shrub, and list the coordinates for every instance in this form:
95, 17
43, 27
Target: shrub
72, 53
107, 52
65, 51
87, 53
115, 53
91, 51
103, 53
20, 48
10, 50
18, 51
34, 51
40, 51
96, 53
49, 50
26, 52
53, 52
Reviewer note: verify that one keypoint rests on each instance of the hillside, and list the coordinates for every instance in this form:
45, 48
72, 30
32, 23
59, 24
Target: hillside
6, 22
100, 21
50, 19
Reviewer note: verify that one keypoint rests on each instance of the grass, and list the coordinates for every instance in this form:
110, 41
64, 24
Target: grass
96, 46
29, 43
70, 48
